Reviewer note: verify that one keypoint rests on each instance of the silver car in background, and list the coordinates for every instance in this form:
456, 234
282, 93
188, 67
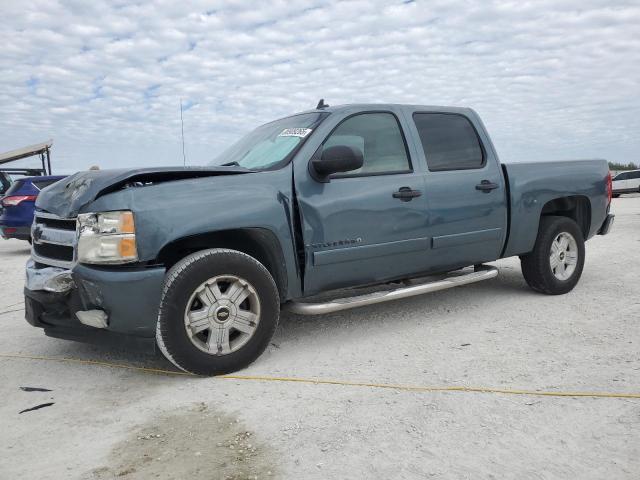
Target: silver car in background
626, 182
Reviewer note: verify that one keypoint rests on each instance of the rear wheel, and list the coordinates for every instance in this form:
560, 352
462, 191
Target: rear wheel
218, 312
556, 262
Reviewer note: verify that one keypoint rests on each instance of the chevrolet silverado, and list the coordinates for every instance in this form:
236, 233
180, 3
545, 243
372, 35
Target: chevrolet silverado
297, 215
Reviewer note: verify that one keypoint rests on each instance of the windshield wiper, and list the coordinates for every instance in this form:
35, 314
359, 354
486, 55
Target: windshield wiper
235, 164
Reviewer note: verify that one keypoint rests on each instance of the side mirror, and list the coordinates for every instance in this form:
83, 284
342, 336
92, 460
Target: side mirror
336, 159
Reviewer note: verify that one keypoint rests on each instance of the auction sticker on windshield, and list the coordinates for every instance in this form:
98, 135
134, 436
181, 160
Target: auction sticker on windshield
295, 132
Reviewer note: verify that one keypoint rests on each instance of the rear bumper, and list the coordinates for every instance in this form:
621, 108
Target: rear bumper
21, 233
125, 300
607, 224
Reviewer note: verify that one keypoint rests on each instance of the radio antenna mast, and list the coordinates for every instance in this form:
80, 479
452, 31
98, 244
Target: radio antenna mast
184, 157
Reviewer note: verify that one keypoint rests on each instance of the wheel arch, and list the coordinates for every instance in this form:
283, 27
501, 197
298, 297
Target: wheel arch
575, 207
260, 243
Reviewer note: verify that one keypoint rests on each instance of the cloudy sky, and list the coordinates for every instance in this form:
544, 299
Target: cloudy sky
551, 79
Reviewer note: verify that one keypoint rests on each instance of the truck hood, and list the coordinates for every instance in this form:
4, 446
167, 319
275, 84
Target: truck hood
66, 197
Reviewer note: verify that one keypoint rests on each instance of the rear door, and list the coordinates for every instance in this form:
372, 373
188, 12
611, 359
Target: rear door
464, 190
621, 181
360, 227
634, 180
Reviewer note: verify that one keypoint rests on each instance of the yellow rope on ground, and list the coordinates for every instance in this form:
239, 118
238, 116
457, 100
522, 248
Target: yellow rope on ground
410, 388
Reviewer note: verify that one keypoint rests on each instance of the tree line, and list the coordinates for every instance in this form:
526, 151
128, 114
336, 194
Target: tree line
622, 166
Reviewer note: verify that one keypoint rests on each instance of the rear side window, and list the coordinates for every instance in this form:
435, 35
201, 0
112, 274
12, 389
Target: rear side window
378, 136
17, 185
40, 184
5, 183
635, 174
449, 141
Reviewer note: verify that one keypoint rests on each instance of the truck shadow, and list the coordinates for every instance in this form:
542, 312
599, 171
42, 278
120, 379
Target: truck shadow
299, 332
431, 307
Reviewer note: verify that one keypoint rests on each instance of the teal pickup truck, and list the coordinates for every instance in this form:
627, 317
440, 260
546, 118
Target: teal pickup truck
200, 261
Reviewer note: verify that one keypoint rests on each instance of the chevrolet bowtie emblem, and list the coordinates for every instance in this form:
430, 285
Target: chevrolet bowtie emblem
36, 233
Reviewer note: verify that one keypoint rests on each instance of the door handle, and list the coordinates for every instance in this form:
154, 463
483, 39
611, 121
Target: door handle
486, 186
406, 194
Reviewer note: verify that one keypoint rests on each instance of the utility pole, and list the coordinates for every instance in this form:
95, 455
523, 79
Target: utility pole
184, 157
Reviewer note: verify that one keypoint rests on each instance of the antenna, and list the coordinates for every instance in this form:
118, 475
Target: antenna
321, 104
184, 157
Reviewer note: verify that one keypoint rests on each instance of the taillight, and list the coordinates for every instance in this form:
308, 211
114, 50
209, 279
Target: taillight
609, 188
17, 200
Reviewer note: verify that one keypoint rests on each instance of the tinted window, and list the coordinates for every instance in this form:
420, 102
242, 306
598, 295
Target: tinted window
635, 174
378, 137
4, 183
40, 184
17, 185
622, 176
449, 141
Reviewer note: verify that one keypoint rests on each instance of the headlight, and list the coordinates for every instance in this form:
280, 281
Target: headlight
107, 237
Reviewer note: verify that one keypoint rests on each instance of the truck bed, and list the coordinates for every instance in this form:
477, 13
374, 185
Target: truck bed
532, 185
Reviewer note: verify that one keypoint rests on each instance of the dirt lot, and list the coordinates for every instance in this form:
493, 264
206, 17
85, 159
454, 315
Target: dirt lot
118, 423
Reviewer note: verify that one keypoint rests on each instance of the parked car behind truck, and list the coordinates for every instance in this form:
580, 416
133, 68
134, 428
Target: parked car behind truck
626, 182
17, 206
200, 261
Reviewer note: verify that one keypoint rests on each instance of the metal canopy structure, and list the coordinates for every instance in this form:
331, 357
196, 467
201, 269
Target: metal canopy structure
42, 149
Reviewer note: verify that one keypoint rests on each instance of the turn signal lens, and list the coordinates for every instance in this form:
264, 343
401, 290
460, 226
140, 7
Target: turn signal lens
127, 247
126, 223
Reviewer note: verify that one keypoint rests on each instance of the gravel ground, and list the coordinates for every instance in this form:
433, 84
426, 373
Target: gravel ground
116, 423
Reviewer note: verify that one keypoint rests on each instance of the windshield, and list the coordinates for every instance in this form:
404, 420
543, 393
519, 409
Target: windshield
271, 144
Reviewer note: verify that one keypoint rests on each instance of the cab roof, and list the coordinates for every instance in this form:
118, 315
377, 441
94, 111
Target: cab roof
385, 106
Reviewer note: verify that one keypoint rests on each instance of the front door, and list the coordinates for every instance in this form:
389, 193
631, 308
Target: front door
368, 225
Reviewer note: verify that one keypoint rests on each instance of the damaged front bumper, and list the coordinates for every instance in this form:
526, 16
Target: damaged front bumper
50, 279
96, 305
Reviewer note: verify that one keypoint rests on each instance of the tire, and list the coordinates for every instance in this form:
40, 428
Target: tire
201, 329
537, 267
615, 195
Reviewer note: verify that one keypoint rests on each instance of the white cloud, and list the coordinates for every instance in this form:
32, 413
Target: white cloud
551, 79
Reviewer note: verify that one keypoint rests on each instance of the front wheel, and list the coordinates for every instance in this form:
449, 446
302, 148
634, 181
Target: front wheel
556, 262
219, 310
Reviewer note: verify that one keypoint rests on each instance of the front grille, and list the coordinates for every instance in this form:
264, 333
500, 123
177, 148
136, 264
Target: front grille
56, 252
59, 223
54, 240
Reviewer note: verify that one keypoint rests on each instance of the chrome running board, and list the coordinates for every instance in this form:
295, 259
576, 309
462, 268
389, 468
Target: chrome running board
480, 273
